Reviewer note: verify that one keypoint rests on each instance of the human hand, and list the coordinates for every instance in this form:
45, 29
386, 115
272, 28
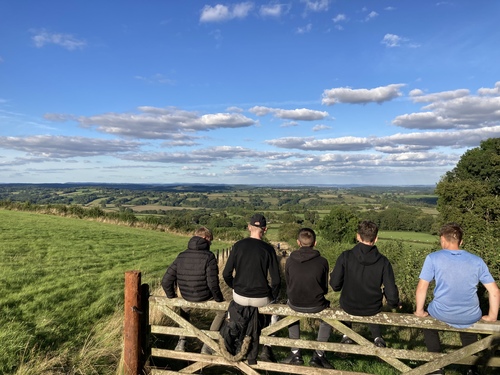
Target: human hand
421, 314
488, 318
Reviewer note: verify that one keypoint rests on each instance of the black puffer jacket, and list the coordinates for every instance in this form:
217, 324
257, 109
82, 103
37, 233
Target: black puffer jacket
195, 272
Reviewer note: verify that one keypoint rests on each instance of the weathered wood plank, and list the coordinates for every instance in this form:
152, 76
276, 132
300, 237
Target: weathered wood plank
334, 317
384, 318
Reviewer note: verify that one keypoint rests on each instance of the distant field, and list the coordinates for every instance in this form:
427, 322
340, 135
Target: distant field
408, 236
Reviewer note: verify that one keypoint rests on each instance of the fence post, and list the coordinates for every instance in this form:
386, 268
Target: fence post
131, 329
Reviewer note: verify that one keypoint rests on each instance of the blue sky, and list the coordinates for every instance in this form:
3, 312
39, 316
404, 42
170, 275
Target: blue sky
298, 92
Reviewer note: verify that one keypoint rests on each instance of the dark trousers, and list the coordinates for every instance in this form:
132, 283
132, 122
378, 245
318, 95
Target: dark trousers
323, 333
433, 344
375, 329
216, 323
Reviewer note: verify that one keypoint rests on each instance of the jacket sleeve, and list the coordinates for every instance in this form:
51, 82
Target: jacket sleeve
274, 272
337, 275
324, 277
213, 278
169, 280
227, 273
390, 289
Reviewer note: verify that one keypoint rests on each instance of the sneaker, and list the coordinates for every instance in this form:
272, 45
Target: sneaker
379, 341
320, 361
346, 340
472, 371
181, 346
205, 349
293, 359
267, 354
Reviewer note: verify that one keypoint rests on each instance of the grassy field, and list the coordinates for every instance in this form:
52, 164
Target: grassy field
61, 292
409, 236
60, 277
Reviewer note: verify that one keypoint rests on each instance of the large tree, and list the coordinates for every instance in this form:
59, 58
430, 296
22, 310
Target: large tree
469, 195
340, 225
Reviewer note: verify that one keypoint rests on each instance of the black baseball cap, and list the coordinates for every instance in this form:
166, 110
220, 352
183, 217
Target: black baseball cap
258, 220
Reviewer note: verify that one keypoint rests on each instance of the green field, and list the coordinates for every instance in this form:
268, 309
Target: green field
60, 277
409, 236
61, 290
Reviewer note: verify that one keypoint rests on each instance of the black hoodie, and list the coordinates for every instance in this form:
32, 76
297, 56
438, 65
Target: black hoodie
196, 273
363, 275
306, 274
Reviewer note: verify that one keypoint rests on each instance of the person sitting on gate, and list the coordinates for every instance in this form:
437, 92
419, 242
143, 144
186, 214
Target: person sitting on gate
364, 276
196, 273
306, 275
457, 274
252, 259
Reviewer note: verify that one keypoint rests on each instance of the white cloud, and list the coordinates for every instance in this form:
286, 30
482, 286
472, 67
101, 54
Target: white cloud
304, 29
391, 144
159, 123
206, 155
419, 97
318, 128
219, 12
66, 147
453, 110
316, 6
371, 16
43, 37
361, 96
392, 40
289, 124
300, 114
339, 18
272, 10
156, 78
487, 91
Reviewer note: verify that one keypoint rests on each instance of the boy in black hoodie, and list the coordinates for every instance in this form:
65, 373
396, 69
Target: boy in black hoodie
306, 273
364, 276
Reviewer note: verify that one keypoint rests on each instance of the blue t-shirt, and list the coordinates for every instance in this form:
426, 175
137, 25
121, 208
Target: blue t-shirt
457, 274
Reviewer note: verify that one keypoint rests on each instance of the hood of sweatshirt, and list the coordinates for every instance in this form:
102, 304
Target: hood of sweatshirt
304, 254
198, 243
366, 254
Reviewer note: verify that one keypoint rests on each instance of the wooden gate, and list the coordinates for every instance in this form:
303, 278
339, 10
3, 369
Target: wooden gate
483, 352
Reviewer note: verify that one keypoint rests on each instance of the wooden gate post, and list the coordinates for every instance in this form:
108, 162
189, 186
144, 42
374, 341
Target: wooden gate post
131, 329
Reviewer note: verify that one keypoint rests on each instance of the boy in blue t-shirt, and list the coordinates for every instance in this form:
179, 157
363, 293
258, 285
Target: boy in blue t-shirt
457, 274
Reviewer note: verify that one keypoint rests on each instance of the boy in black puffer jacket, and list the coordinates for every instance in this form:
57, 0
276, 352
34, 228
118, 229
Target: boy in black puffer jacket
196, 273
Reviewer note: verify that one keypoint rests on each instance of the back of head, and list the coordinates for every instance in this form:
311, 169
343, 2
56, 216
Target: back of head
368, 231
204, 232
452, 232
258, 220
306, 237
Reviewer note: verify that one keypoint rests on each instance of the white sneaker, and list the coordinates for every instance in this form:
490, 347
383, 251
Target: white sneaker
181, 346
206, 350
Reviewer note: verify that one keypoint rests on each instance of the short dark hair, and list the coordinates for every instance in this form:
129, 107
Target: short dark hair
204, 232
368, 231
307, 237
452, 232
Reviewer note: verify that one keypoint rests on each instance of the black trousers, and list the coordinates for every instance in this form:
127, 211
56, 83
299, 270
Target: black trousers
431, 338
374, 329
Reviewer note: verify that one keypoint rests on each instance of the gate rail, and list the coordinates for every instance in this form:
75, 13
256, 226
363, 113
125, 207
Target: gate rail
481, 353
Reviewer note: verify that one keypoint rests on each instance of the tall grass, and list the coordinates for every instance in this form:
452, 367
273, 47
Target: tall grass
60, 278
